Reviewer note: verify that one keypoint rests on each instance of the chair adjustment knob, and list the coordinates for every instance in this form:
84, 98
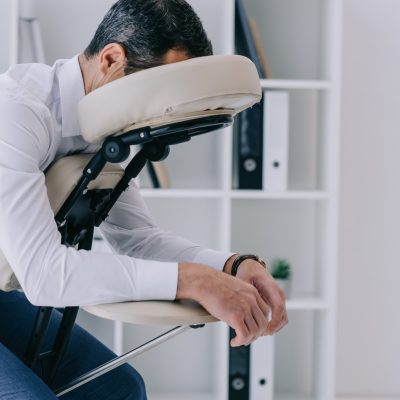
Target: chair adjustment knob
156, 151
114, 150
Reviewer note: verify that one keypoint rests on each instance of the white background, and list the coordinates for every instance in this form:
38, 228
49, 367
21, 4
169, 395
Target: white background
369, 272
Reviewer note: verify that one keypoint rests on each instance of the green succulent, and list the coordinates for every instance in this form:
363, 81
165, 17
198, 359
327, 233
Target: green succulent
280, 269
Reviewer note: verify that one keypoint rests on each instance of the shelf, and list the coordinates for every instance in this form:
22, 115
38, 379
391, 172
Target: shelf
234, 194
181, 193
295, 84
181, 396
289, 195
210, 396
293, 397
306, 303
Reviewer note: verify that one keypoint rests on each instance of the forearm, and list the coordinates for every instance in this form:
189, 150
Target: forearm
52, 274
131, 230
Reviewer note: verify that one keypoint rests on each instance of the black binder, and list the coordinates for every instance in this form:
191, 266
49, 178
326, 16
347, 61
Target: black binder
250, 148
250, 122
239, 371
244, 39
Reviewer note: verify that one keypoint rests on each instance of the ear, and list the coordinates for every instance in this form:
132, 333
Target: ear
112, 57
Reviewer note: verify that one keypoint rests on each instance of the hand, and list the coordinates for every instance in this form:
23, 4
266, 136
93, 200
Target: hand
227, 298
254, 273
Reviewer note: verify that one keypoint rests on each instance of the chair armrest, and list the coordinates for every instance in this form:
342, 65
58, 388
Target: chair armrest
183, 312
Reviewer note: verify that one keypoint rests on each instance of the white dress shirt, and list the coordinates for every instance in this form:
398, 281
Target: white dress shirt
38, 124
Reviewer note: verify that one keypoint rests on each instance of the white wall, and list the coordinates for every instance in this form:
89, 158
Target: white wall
63, 40
68, 26
369, 295
6, 30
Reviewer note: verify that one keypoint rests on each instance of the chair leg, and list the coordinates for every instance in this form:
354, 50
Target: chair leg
68, 320
38, 334
52, 358
116, 362
60, 343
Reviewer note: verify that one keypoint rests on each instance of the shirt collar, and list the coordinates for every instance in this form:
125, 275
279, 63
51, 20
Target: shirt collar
71, 92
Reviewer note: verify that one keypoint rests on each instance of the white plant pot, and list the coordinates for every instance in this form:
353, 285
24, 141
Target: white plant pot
285, 284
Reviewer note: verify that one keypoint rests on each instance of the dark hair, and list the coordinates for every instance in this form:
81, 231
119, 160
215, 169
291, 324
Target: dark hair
147, 29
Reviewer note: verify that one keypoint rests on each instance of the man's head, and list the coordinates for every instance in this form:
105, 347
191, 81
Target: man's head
140, 34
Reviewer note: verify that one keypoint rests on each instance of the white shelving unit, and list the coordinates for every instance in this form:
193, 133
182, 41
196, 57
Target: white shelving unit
302, 40
299, 224
290, 84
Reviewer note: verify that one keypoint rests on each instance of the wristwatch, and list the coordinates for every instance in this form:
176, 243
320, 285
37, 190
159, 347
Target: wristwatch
243, 257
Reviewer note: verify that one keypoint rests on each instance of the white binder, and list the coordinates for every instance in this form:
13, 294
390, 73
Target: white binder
262, 369
276, 141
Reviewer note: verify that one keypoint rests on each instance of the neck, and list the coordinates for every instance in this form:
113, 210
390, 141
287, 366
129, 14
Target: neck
88, 72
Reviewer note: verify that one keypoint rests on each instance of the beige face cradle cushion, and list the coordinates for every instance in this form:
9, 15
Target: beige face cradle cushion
170, 93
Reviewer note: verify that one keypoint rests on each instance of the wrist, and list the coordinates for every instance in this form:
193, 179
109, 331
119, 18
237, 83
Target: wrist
242, 259
192, 279
229, 262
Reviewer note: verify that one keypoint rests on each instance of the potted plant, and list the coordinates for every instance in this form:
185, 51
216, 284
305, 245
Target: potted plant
281, 272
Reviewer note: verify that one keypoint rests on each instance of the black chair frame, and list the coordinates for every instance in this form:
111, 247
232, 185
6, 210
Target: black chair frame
86, 209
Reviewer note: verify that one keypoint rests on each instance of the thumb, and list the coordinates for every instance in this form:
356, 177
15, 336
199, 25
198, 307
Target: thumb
237, 341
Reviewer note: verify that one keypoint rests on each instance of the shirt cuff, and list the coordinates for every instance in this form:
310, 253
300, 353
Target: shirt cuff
156, 280
212, 258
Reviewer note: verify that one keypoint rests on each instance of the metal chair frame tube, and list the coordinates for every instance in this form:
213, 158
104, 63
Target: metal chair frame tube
116, 362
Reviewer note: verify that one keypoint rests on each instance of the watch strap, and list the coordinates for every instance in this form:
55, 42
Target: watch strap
241, 258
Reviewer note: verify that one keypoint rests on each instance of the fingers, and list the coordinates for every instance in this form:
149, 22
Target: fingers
245, 305
246, 333
274, 296
242, 334
265, 308
275, 308
254, 322
261, 317
266, 311
279, 316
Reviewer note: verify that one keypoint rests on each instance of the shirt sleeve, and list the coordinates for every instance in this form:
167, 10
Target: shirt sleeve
130, 229
52, 274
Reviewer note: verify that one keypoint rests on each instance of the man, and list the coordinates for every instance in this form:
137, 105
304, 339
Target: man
38, 124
